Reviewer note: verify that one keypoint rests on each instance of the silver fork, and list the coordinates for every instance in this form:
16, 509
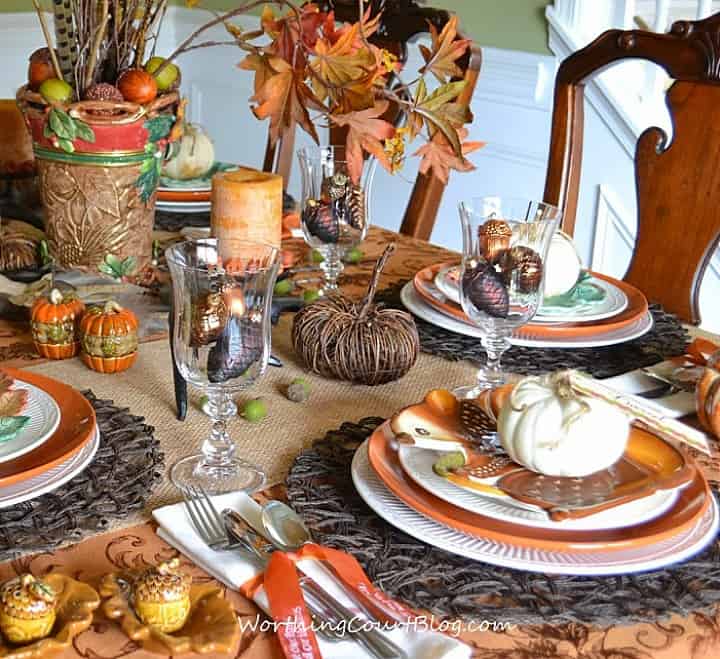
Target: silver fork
211, 527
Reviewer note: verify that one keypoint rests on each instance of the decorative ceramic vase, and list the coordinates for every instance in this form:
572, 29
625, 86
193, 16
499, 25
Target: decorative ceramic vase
99, 165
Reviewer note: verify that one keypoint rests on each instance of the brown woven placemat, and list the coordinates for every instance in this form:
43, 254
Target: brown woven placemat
667, 338
119, 479
320, 488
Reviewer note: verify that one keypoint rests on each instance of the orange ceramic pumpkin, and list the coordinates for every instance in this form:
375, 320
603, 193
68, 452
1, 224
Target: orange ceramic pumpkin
707, 396
109, 338
54, 323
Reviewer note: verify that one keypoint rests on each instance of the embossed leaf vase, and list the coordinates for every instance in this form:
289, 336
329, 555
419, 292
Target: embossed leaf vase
99, 164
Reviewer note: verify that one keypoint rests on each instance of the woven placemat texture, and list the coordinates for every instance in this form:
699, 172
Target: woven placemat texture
667, 338
118, 481
320, 488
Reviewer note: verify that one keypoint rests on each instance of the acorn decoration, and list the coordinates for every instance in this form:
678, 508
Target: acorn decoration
356, 341
109, 338
161, 597
321, 221
137, 86
207, 318
493, 239
40, 68
484, 287
54, 325
526, 265
28, 608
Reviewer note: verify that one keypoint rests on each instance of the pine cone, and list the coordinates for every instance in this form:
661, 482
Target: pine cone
103, 91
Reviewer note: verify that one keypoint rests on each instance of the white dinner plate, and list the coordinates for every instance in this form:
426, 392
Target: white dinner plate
51, 479
614, 302
418, 465
183, 206
650, 557
416, 305
44, 416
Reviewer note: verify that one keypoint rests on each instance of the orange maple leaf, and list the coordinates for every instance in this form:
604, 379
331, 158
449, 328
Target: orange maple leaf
439, 157
262, 67
285, 98
341, 65
369, 27
286, 32
366, 133
441, 60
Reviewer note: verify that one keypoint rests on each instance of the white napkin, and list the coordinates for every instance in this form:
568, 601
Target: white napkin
672, 406
234, 569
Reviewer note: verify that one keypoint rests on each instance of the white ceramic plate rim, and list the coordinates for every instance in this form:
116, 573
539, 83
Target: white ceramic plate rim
51, 479
615, 302
31, 436
201, 188
650, 557
416, 305
417, 464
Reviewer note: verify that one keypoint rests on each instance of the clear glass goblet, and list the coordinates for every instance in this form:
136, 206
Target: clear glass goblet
222, 295
335, 208
505, 245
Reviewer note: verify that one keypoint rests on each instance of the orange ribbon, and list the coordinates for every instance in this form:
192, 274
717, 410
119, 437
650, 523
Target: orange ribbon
287, 607
700, 351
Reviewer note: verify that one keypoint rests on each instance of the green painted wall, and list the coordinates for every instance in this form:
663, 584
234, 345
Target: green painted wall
514, 24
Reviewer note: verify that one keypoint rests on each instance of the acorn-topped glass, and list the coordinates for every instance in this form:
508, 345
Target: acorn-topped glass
505, 245
335, 206
221, 307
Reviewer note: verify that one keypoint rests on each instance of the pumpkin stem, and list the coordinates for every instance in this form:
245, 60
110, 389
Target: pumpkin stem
56, 297
112, 307
367, 303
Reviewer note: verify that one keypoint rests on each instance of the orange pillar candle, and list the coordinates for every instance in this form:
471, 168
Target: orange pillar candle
247, 205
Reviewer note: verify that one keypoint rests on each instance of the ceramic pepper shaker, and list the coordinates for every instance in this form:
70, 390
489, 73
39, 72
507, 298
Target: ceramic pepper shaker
27, 609
161, 597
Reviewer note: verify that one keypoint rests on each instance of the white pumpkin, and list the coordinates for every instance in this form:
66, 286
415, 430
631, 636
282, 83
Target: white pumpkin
195, 156
548, 428
562, 266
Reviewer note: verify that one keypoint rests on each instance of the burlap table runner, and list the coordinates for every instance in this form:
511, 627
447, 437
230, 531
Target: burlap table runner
147, 390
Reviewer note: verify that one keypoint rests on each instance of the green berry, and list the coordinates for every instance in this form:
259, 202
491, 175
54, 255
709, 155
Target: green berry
354, 255
54, 90
254, 410
303, 382
284, 287
449, 462
310, 295
316, 256
167, 76
204, 400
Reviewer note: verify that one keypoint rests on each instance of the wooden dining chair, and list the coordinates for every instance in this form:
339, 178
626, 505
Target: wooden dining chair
678, 181
402, 20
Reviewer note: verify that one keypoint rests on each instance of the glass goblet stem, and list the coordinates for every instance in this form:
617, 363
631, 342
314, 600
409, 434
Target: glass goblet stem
218, 450
332, 267
495, 342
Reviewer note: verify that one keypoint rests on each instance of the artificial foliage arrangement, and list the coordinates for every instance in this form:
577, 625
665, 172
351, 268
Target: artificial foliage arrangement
305, 62
102, 116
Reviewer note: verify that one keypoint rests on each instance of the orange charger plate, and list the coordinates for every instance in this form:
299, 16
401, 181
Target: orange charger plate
637, 307
691, 504
77, 423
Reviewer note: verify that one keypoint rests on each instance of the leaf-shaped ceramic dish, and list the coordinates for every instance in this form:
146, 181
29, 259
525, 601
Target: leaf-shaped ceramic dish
648, 465
76, 603
211, 625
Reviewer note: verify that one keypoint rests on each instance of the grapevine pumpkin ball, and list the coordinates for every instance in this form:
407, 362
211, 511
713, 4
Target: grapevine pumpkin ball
54, 324
109, 338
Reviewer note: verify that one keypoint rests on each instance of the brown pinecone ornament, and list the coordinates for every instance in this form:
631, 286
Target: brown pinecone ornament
484, 287
321, 221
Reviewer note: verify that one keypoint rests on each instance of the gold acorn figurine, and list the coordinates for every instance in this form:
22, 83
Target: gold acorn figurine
161, 597
27, 609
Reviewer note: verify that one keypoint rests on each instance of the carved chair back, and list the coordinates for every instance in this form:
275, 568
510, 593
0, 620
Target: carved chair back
402, 20
677, 181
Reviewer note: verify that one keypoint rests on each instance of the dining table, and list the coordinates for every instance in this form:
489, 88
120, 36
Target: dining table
273, 443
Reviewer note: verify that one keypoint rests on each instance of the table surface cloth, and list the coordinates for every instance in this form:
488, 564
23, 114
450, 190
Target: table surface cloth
273, 443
